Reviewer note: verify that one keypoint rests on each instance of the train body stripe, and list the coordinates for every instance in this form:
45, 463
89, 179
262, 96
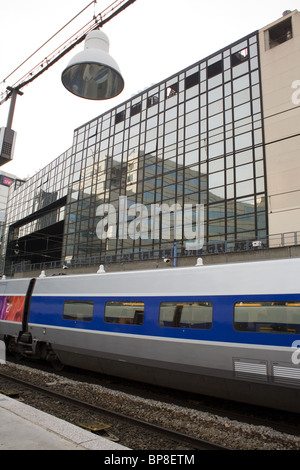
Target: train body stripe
166, 339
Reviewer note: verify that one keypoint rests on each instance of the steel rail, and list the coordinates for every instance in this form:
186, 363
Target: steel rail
194, 442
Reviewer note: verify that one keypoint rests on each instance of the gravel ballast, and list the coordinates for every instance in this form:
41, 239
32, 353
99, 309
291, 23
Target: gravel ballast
194, 422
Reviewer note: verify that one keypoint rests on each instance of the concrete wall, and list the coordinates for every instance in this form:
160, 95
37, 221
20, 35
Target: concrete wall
280, 67
255, 255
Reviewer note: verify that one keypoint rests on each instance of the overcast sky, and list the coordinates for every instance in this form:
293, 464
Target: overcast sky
151, 40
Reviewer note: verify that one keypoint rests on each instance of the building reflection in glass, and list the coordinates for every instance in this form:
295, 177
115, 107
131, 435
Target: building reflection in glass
196, 138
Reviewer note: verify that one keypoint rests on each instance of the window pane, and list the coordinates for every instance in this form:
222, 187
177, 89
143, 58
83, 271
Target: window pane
125, 313
241, 97
195, 315
215, 94
267, 317
241, 83
78, 310
244, 188
244, 172
216, 150
242, 111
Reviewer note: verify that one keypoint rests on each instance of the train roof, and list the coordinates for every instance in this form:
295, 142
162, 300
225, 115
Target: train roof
256, 277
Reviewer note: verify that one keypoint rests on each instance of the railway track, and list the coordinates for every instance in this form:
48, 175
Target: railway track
146, 418
190, 443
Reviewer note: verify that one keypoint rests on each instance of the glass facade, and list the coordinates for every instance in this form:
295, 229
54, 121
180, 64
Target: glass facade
136, 176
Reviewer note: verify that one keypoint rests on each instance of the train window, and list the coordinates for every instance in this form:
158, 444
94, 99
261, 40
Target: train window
125, 312
195, 315
78, 310
267, 317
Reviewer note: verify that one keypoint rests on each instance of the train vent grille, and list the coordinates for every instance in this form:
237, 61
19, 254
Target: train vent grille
286, 374
249, 369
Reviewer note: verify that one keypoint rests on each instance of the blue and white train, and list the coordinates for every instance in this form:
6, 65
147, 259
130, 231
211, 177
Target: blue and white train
229, 331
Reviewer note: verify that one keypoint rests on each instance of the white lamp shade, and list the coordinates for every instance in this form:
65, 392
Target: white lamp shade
93, 74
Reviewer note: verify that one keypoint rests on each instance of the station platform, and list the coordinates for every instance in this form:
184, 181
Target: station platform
25, 428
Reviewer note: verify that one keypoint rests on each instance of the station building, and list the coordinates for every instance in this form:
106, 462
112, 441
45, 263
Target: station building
205, 161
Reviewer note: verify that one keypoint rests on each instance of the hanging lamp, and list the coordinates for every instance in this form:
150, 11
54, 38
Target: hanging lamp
92, 73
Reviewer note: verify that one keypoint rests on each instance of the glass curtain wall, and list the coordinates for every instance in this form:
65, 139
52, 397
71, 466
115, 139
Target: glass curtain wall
196, 138
134, 180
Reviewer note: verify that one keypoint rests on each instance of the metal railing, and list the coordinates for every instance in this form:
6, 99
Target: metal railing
281, 240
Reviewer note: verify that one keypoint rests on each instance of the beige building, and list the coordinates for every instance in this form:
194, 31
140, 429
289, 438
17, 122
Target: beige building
280, 79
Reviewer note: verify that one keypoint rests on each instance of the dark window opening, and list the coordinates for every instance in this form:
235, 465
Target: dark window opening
120, 117
192, 80
152, 100
239, 57
172, 90
215, 69
280, 33
41, 246
135, 109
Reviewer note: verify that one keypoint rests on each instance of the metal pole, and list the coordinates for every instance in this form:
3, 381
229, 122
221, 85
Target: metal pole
14, 94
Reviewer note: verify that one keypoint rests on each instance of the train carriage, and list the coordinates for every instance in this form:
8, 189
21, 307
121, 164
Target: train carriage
228, 331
